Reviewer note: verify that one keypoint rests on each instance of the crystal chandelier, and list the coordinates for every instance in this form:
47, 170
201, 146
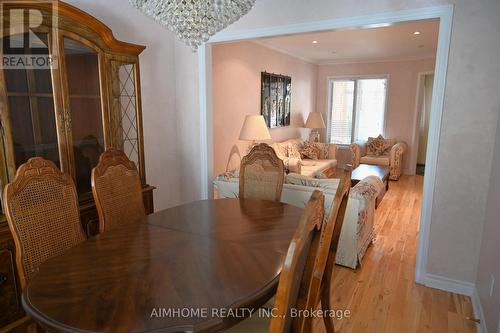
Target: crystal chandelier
194, 21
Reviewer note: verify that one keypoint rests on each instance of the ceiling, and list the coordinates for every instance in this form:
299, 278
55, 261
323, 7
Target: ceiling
394, 42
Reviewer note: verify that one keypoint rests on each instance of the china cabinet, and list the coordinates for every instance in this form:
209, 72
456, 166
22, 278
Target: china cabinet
85, 100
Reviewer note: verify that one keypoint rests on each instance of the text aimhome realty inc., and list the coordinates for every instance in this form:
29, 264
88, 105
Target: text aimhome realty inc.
244, 313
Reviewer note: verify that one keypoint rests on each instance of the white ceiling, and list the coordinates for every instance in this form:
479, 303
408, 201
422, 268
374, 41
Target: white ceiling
395, 42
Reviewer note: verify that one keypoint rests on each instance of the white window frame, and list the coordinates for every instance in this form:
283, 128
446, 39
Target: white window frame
329, 89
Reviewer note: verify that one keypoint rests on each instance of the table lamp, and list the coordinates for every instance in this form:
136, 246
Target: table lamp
254, 129
314, 122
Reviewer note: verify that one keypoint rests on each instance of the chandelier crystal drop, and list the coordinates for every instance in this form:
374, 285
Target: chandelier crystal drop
194, 21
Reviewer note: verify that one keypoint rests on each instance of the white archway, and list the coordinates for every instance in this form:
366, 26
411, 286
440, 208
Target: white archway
443, 13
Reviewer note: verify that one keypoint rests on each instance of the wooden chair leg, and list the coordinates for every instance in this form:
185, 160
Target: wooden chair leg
325, 296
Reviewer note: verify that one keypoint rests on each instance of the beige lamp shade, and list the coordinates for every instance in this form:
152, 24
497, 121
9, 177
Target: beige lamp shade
254, 129
315, 120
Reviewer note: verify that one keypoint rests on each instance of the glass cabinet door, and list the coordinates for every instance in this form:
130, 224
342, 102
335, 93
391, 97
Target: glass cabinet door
85, 110
124, 110
31, 109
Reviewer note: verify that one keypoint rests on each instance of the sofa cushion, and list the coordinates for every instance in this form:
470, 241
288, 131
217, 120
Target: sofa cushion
294, 147
324, 150
377, 146
310, 168
315, 150
383, 160
294, 153
310, 151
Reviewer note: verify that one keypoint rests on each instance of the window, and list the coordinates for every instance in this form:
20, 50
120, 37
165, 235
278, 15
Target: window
357, 108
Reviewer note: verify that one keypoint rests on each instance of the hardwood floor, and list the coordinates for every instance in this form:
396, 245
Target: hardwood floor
381, 295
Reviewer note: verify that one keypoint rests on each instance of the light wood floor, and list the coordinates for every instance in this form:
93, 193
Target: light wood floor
382, 295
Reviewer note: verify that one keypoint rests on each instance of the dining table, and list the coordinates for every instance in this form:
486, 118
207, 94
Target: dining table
201, 267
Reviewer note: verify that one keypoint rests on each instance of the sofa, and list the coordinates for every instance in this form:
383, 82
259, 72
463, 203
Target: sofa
391, 156
321, 163
358, 230
297, 189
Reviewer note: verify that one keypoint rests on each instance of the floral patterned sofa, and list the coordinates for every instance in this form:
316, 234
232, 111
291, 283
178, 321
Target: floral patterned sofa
380, 151
297, 189
358, 230
315, 160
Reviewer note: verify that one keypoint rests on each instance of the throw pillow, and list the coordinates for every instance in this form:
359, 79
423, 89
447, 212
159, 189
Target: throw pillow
294, 150
323, 150
310, 150
377, 146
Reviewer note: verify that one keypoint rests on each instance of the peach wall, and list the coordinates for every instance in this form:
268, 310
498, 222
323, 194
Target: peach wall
236, 92
401, 114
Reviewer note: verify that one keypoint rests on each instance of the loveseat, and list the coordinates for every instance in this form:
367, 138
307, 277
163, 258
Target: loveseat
388, 152
320, 161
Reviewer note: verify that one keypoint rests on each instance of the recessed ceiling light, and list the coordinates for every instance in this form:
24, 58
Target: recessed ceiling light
315, 42
416, 33
378, 25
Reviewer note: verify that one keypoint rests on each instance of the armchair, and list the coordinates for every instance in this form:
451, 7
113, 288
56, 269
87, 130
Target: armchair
393, 157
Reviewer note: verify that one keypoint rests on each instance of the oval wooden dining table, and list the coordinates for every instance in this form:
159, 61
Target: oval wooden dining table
195, 267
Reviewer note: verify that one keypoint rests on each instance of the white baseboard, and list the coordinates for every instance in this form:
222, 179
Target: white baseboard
450, 285
478, 312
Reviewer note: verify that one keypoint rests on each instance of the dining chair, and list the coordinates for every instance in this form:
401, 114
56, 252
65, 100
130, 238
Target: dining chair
116, 186
261, 174
323, 270
295, 275
306, 276
41, 205
317, 276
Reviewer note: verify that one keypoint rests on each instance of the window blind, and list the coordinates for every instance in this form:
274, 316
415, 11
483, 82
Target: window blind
341, 118
357, 109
